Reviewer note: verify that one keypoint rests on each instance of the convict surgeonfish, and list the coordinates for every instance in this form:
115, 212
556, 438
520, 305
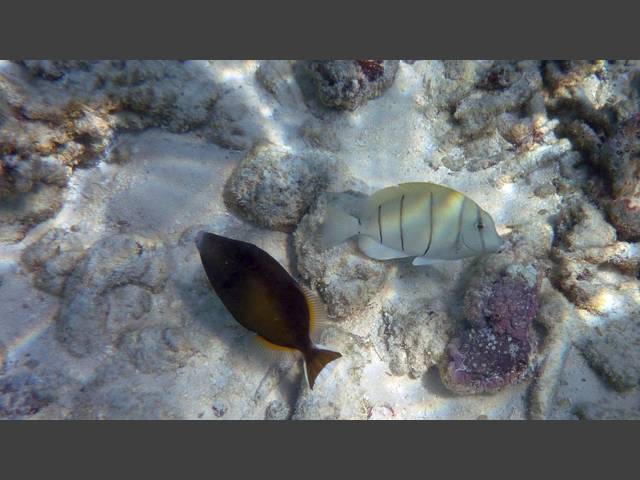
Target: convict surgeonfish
422, 220
263, 298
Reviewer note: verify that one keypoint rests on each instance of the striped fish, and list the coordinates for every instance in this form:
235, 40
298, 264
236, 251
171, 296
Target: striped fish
422, 220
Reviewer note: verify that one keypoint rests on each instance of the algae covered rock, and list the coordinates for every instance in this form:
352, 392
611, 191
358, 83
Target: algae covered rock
84, 323
156, 348
624, 213
594, 411
274, 187
233, 125
415, 336
22, 395
53, 258
3, 358
19, 213
488, 113
583, 240
277, 410
348, 84
599, 274
557, 315
151, 90
591, 264
505, 88
621, 156
56, 116
613, 350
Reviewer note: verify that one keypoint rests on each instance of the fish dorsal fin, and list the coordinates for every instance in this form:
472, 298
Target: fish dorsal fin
424, 187
317, 312
415, 186
380, 197
390, 193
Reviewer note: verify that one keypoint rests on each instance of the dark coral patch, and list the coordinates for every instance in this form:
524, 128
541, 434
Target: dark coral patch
481, 361
496, 351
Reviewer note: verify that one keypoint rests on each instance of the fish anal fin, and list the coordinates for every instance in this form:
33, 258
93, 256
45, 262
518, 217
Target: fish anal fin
419, 261
267, 351
271, 346
316, 360
376, 250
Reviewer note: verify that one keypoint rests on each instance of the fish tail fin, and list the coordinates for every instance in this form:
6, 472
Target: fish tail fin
338, 226
316, 360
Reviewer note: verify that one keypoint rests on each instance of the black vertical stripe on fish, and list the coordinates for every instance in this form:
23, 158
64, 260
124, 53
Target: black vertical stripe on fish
430, 223
480, 229
401, 234
460, 218
380, 221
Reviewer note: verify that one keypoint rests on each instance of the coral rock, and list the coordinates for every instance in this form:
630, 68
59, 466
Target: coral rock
614, 351
479, 361
274, 188
115, 261
624, 213
415, 339
277, 410
348, 84
156, 348
3, 355
511, 307
21, 395
477, 111
593, 411
53, 258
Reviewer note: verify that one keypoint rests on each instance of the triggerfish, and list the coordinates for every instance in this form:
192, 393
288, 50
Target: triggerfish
422, 220
264, 298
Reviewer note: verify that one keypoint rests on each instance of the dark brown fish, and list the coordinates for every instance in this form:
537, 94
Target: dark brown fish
263, 297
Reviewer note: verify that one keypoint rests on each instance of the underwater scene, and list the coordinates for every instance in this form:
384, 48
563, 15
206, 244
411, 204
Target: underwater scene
336, 239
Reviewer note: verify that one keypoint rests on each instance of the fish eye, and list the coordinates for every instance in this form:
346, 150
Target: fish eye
479, 225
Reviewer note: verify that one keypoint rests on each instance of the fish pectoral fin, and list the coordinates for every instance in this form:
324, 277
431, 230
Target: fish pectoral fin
316, 360
419, 261
376, 250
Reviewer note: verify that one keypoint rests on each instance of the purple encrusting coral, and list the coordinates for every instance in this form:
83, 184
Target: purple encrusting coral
509, 309
496, 350
481, 361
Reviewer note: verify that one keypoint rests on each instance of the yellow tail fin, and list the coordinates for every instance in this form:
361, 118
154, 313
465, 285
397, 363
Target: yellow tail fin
316, 360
